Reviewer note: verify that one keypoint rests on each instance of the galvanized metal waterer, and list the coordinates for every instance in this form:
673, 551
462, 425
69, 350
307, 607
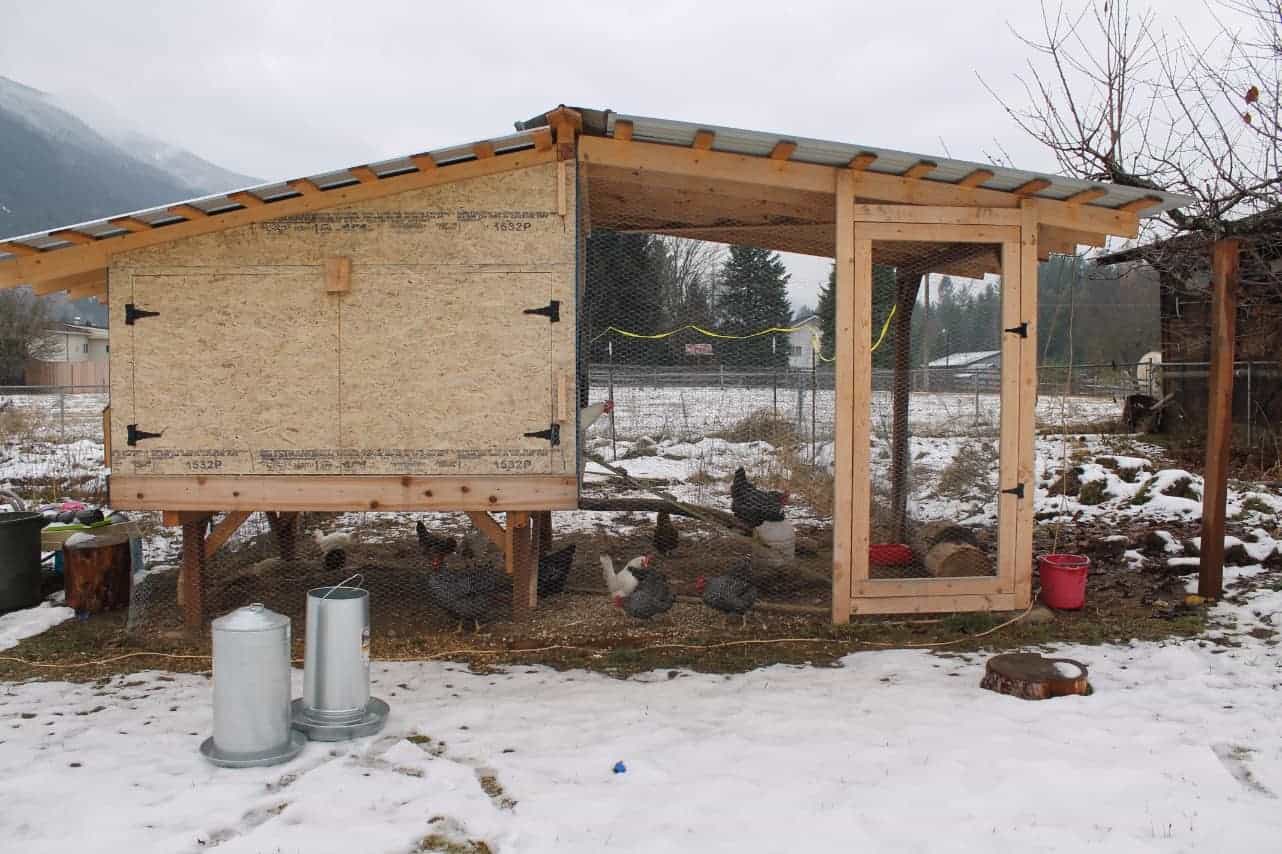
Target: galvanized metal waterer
251, 690
336, 704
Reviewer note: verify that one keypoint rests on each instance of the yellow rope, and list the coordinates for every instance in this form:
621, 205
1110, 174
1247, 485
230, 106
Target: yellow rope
774, 330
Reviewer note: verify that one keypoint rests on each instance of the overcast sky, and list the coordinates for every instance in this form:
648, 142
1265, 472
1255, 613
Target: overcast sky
281, 89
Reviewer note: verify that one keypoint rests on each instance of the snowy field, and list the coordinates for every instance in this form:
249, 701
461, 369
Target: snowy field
62, 417
1178, 749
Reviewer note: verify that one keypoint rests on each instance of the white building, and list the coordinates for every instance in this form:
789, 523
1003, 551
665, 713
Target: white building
976, 360
802, 343
71, 343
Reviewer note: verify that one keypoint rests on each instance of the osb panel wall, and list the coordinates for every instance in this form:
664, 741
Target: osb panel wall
426, 365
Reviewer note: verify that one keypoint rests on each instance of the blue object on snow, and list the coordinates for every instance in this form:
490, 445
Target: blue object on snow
620, 768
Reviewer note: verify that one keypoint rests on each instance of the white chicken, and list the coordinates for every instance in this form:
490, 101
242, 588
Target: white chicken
588, 415
332, 542
623, 582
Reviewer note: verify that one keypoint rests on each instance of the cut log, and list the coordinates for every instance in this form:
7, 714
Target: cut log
97, 578
949, 550
1031, 677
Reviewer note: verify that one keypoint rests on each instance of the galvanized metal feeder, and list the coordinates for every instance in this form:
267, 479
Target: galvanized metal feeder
336, 704
251, 691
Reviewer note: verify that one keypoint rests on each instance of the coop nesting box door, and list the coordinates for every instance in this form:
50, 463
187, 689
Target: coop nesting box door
232, 370
445, 372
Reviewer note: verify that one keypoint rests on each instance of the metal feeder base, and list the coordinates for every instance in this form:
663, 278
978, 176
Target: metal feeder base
319, 729
275, 756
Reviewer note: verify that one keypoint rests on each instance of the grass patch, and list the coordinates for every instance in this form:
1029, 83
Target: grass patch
1094, 492
18, 425
1144, 495
1255, 504
1182, 487
762, 425
1069, 483
968, 471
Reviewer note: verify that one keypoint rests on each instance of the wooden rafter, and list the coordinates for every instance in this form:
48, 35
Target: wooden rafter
364, 174
783, 150
1083, 197
703, 140
1138, 205
93, 279
246, 199
304, 185
483, 150
974, 179
129, 223
70, 235
862, 161
42, 266
1028, 188
21, 250
424, 162
542, 139
188, 212
920, 169
623, 130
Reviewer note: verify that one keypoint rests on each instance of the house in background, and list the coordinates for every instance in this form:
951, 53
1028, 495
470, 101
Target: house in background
802, 342
71, 355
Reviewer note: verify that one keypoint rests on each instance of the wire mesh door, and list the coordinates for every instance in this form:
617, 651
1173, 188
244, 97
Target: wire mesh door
942, 394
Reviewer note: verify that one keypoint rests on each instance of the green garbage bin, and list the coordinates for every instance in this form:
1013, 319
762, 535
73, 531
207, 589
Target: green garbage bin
20, 560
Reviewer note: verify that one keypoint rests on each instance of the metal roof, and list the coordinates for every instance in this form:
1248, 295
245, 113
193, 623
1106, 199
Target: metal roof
889, 160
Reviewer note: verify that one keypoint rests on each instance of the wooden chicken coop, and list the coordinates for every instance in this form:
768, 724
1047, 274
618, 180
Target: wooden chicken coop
401, 336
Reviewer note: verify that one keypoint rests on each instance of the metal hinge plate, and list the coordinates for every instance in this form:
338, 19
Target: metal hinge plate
134, 313
1017, 490
552, 435
552, 311
135, 435
1021, 330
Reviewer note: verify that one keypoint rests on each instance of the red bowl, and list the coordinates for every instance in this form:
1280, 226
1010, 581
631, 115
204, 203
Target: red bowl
890, 554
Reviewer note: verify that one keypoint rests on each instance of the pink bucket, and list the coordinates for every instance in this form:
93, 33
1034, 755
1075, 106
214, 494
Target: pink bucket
1064, 580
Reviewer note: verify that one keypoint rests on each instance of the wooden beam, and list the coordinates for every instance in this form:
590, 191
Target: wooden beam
918, 604
303, 185
22, 250
129, 223
70, 235
98, 290
192, 575
845, 417
861, 161
518, 555
1029, 188
489, 526
623, 130
424, 162
174, 518
1137, 205
483, 150
188, 212
338, 274
974, 179
703, 140
1219, 417
364, 174
224, 529
1083, 197
66, 283
1026, 429
920, 169
565, 123
76, 259
246, 199
783, 150
542, 139
936, 215
343, 493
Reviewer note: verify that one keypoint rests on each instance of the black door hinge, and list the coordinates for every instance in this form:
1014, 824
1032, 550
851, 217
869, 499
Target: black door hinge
1021, 330
552, 311
1017, 490
133, 313
552, 434
135, 435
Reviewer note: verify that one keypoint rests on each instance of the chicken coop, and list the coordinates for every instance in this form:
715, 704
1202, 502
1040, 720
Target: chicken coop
566, 334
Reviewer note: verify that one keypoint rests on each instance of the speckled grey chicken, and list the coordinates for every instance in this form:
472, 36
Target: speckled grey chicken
732, 593
653, 596
471, 594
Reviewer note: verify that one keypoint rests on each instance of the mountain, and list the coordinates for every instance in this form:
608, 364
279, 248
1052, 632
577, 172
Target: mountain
58, 168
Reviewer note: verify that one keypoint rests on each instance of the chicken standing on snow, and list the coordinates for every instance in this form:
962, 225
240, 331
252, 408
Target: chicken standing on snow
653, 596
436, 547
753, 506
665, 533
470, 594
623, 582
554, 569
732, 593
589, 414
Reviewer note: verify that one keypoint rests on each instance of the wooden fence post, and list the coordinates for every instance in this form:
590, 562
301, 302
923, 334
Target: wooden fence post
1219, 415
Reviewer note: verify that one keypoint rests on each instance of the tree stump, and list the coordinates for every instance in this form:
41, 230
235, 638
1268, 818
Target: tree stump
949, 550
97, 578
1031, 677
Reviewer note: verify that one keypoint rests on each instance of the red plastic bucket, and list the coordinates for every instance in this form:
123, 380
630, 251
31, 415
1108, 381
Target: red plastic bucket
1064, 580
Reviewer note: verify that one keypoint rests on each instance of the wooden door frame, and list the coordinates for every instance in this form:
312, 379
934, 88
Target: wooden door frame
1015, 232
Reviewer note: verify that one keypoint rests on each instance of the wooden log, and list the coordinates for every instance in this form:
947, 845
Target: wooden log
97, 578
1031, 677
948, 550
1219, 416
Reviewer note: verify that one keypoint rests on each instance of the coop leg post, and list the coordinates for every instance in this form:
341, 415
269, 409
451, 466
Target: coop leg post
522, 565
1224, 294
285, 527
542, 521
907, 285
193, 574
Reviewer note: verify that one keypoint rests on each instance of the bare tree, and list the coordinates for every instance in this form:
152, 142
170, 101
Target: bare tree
687, 271
24, 322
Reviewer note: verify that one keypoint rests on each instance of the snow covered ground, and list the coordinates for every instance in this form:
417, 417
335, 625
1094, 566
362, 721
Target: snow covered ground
1178, 749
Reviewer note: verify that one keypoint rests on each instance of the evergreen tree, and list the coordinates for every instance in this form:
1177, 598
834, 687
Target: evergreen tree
622, 289
883, 300
827, 312
754, 296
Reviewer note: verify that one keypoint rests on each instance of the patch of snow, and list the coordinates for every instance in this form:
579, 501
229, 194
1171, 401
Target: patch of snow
19, 625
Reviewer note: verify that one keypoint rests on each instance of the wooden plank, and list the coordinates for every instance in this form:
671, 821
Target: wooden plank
783, 150
339, 492
70, 235
82, 291
861, 413
1028, 188
861, 161
1026, 470
79, 280
304, 186
192, 575
188, 212
224, 529
938, 233
129, 223
542, 139
424, 162
174, 518
975, 178
920, 169
246, 199
1219, 417
703, 140
106, 436
844, 421
1010, 438
21, 250
1138, 205
933, 604
1082, 197
520, 565
75, 259
623, 130
937, 215
338, 274
1050, 235
869, 186
487, 525
364, 174
886, 587
483, 150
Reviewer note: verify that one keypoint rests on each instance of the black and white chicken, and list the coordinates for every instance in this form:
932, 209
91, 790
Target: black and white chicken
624, 581
753, 506
732, 593
653, 596
333, 548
